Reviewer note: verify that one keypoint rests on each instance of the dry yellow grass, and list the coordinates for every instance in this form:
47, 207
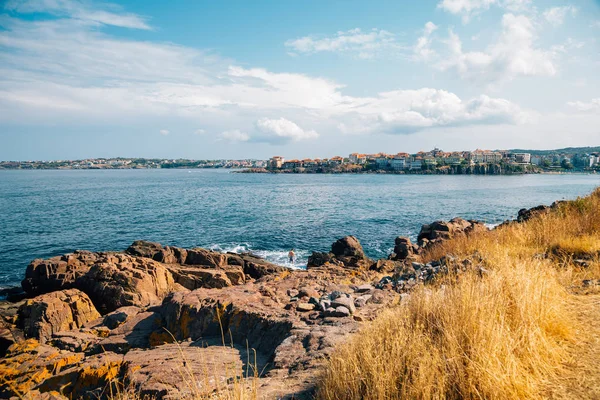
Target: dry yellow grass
506, 335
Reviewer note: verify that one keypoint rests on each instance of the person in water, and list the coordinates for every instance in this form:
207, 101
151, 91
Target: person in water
292, 256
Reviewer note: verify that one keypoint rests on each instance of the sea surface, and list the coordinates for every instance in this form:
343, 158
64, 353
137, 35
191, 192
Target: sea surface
47, 213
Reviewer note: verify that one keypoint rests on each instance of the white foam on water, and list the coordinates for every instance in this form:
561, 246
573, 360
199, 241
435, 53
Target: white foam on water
279, 257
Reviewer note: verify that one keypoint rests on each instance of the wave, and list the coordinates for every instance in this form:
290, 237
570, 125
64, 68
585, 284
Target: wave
279, 257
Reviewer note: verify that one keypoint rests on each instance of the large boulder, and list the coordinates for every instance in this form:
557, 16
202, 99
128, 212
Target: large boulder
57, 273
404, 249
208, 258
348, 246
526, 214
257, 267
55, 312
155, 251
123, 280
443, 230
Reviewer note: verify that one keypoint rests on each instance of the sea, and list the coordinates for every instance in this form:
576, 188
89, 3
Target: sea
44, 213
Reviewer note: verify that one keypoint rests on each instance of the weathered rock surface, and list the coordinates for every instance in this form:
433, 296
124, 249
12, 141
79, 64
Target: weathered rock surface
217, 307
347, 252
443, 230
55, 312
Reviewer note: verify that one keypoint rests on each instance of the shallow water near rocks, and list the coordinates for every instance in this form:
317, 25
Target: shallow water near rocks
47, 213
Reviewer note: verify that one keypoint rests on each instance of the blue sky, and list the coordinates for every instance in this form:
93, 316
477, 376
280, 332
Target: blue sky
239, 79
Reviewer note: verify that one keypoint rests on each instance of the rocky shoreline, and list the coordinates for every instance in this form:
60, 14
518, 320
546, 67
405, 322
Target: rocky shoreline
86, 320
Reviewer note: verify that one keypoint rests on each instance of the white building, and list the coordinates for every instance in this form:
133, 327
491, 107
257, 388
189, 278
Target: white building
522, 158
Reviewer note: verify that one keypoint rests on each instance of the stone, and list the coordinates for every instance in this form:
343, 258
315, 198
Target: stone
257, 267
318, 259
193, 277
364, 288
308, 292
527, 214
111, 280
403, 248
444, 230
304, 307
208, 258
348, 246
154, 251
55, 312
338, 312
119, 316
126, 281
344, 301
362, 300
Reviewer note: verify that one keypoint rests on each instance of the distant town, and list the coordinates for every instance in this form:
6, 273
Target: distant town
435, 161
439, 161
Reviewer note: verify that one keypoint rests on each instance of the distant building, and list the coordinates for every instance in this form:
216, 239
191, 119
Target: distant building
398, 164
536, 160
417, 163
382, 161
276, 162
522, 158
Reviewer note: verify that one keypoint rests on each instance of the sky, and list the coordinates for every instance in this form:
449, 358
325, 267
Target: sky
253, 79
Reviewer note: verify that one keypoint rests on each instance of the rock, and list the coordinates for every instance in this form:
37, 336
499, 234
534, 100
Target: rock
257, 267
123, 280
526, 214
366, 288
386, 265
119, 316
362, 300
404, 249
318, 259
208, 258
338, 312
303, 307
92, 378
191, 277
348, 246
139, 331
28, 363
154, 251
442, 230
57, 273
111, 280
55, 312
74, 341
308, 292
344, 301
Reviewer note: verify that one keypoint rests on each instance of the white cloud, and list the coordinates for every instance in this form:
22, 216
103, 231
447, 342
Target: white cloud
199, 132
422, 49
591, 106
164, 132
102, 13
514, 54
363, 44
234, 136
52, 68
283, 130
408, 111
556, 15
469, 8
466, 8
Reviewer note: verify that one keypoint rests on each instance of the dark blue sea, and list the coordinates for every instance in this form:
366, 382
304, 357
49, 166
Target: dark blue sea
47, 213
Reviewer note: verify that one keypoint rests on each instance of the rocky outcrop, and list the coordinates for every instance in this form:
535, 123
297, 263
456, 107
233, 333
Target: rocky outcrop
222, 310
347, 252
121, 280
404, 249
55, 312
143, 275
443, 230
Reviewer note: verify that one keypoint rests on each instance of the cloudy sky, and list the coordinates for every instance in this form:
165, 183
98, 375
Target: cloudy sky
251, 79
